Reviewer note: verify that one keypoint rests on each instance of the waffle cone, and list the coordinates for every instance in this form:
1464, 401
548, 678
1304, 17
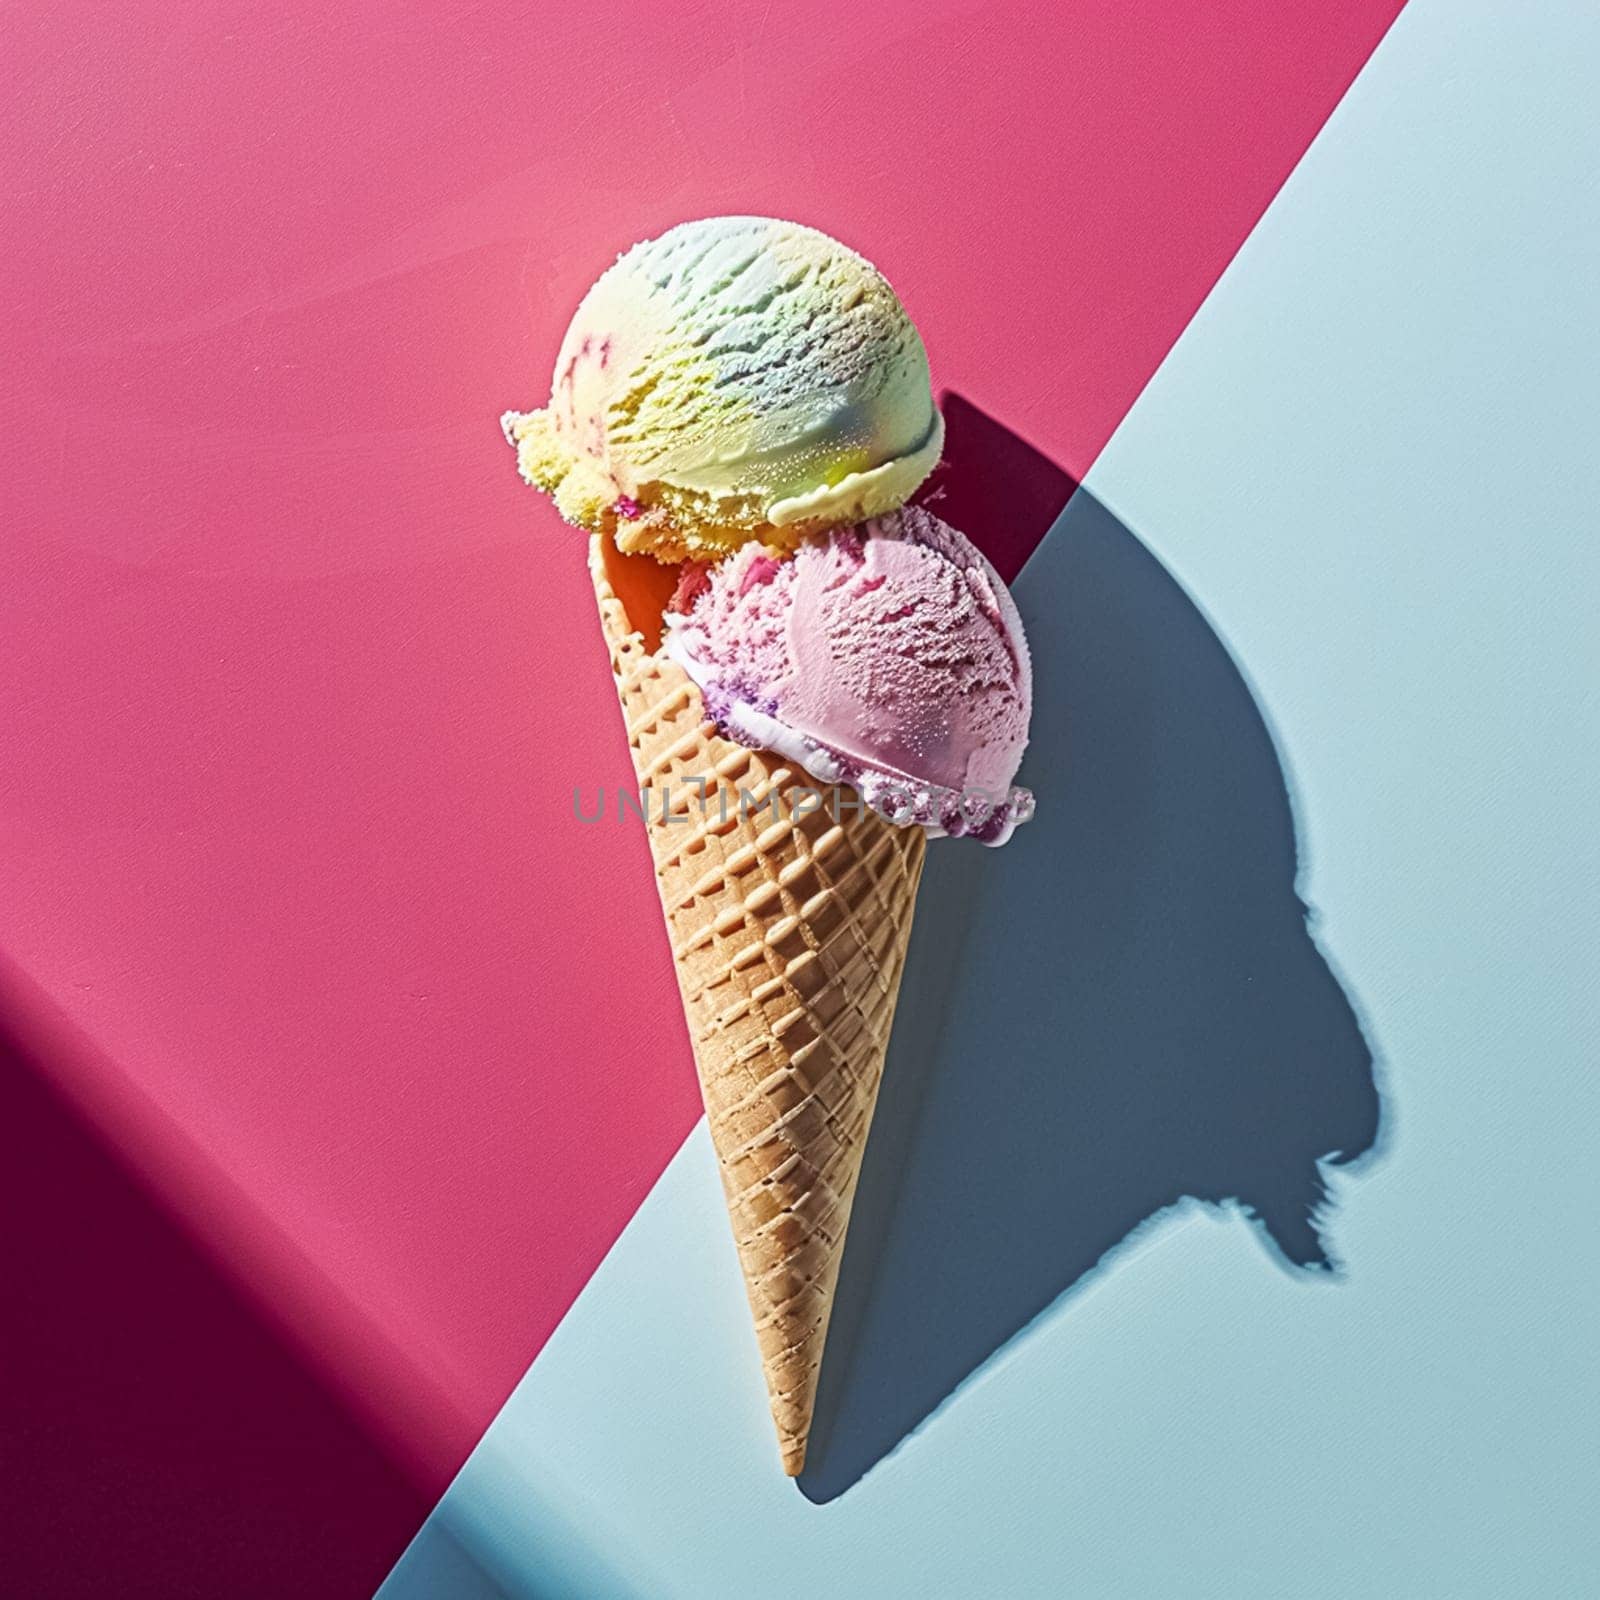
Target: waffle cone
789, 936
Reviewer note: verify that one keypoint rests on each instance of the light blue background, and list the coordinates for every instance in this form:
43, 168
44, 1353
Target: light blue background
1370, 461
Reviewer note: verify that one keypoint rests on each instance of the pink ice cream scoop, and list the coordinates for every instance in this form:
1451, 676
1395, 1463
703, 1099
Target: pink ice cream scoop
888, 656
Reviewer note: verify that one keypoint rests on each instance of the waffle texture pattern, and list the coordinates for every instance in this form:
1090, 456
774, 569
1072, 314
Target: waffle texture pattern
789, 908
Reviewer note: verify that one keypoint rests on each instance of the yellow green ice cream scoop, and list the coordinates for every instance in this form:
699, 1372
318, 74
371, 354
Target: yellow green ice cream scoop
737, 378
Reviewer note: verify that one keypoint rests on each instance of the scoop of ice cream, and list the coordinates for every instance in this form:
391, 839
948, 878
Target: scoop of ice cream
736, 378
887, 656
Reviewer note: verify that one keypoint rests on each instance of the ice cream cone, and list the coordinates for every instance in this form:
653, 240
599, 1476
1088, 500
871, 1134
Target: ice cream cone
789, 907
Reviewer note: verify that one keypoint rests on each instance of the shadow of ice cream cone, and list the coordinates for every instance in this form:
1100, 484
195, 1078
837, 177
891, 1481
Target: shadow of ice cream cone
1121, 1009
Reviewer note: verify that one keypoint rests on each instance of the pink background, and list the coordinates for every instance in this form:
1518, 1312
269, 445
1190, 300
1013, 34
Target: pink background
296, 680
